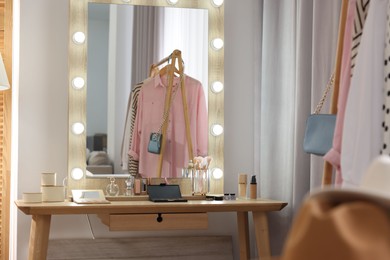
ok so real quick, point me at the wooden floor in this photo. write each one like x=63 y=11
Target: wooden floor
x=162 y=248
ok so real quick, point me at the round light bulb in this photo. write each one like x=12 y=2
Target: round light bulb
x=217 y=3
x=217 y=86
x=172 y=2
x=217 y=173
x=79 y=37
x=216 y=130
x=126 y=1
x=77 y=174
x=78 y=83
x=217 y=43
x=78 y=128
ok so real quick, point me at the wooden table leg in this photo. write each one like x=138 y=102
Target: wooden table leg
x=243 y=235
x=39 y=237
x=262 y=237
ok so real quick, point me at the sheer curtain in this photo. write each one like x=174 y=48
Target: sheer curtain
x=297 y=47
x=159 y=31
x=185 y=30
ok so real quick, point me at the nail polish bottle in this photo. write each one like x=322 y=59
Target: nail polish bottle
x=253 y=188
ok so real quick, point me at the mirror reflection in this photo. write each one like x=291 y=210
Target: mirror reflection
x=78 y=63
x=126 y=93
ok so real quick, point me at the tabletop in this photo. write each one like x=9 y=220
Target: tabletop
x=192 y=206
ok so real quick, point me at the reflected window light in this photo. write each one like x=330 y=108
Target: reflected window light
x=77 y=174
x=78 y=128
x=217 y=3
x=217 y=86
x=79 y=37
x=172 y=2
x=78 y=83
x=216 y=130
x=217 y=173
x=217 y=43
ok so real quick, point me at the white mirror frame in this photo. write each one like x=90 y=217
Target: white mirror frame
x=78 y=17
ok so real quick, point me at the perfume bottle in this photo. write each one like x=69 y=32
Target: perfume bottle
x=129 y=186
x=112 y=188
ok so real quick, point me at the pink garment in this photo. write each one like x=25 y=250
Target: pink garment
x=150 y=116
x=333 y=155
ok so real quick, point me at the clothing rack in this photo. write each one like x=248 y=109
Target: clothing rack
x=170 y=70
x=327 y=175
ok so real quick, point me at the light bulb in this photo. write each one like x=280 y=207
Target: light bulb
x=217 y=3
x=77 y=174
x=217 y=86
x=217 y=43
x=217 y=173
x=78 y=83
x=216 y=129
x=78 y=128
x=79 y=37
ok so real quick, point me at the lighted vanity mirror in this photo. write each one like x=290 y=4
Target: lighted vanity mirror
x=86 y=17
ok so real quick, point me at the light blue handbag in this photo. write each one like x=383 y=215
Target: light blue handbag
x=320 y=128
x=319 y=133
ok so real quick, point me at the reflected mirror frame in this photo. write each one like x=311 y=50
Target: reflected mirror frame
x=77 y=58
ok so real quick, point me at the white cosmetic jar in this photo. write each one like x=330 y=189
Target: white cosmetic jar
x=32 y=197
x=48 y=179
x=53 y=193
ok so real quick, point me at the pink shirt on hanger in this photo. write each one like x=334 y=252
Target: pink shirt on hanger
x=149 y=117
x=333 y=155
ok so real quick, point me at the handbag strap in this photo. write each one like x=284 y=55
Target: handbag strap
x=166 y=112
x=322 y=101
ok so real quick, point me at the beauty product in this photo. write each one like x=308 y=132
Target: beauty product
x=253 y=188
x=144 y=185
x=137 y=187
x=32 y=197
x=112 y=189
x=48 y=178
x=242 y=183
x=53 y=193
x=129 y=186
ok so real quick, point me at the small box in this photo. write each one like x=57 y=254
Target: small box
x=48 y=179
x=32 y=197
x=53 y=193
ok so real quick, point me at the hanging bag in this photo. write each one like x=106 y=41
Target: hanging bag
x=319 y=131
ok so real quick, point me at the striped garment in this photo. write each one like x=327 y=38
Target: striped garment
x=360 y=17
x=128 y=163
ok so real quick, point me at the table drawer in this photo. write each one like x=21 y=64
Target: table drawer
x=164 y=221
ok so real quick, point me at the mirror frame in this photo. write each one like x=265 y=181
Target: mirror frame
x=77 y=67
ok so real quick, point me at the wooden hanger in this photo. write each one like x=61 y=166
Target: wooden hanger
x=167 y=68
x=171 y=59
x=174 y=57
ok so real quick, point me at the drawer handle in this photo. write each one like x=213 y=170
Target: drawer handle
x=159 y=218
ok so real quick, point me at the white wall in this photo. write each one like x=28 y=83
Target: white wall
x=43 y=111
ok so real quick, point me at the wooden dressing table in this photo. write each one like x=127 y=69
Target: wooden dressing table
x=41 y=217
